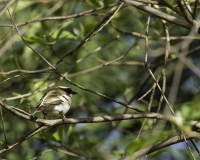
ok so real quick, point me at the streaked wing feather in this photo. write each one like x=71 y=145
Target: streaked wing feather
x=51 y=97
x=39 y=103
x=52 y=101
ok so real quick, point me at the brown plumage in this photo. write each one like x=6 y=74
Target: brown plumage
x=55 y=103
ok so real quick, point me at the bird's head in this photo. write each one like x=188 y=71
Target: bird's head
x=67 y=90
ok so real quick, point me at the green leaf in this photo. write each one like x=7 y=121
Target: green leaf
x=116 y=152
x=22 y=100
x=89 y=27
x=70 y=129
x=133 y=145
x=169 y=11
x=80 y=32
x=95 y=2
x=39 y=84
x=76 y=31
x=39 y=40
x=63 y=34
x=48 y=136
x=15 y=94
x=57 y=136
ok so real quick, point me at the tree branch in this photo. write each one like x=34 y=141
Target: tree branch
x=159 y=14
x=167 y=142
x=48 y=123
x=23 y=138
x=99 y=119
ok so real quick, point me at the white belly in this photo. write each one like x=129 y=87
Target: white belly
x=57 y=111
x=64 y=107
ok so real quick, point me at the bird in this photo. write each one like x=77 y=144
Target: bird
x=55 y=103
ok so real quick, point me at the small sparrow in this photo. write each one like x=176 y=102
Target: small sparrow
x=55 y=103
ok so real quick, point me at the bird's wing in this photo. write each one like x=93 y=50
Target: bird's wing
x=50 y=98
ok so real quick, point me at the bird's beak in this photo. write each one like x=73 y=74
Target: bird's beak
x=73 y=92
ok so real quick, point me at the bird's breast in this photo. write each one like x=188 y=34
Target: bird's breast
x=57 y=111
x=63 y=107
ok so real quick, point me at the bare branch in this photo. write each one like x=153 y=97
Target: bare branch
x=159 y=14
x=162 y=144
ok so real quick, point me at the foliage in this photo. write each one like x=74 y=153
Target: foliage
x=104 y=48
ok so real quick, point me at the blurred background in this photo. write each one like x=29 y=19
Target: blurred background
x=100 y=45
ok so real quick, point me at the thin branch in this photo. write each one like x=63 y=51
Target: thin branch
x=6 y=7
x=2 y=121
x=195 y=9
x=27 y=116
x=154 y=86
x=48 y=123
x=167 y=142
x=151 y=73
x=97 y=28
x=61 y=17
x=23 y=138
x=61 y=75
x=159 y=14
x=42 y=153
x=99 y=119
x=188 y=7
x=68 y=152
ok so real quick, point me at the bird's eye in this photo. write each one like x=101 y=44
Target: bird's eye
x=68 y=90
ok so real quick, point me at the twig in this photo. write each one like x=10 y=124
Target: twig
x=56 y=71
x=167 y=142
x=159 y=14
x=48 y=123
x=4 y=133
x=62 y=17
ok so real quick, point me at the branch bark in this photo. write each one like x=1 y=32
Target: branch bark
x=159 y=14
x=47 y=123
x=167 y=142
